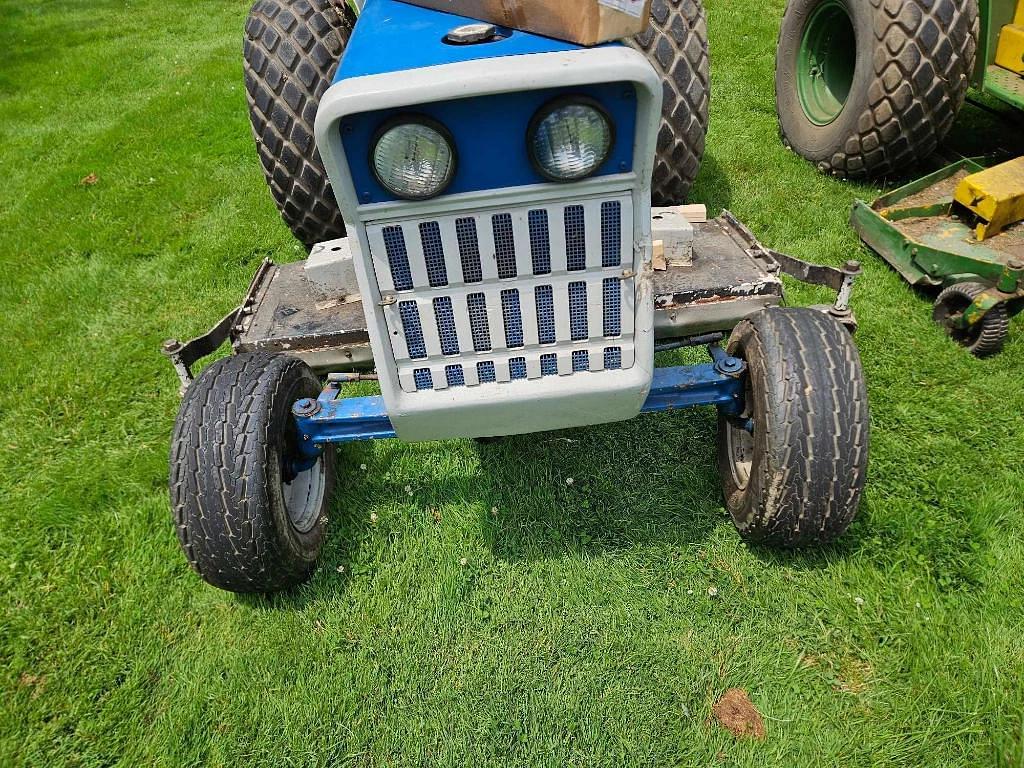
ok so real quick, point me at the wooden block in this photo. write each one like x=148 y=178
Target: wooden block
x=658 y=258
x=696 y=213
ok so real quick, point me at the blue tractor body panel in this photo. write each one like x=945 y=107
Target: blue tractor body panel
x=490 y=137
x=403 y=37
x=489 y=132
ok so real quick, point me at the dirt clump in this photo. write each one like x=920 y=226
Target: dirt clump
x=736 y=713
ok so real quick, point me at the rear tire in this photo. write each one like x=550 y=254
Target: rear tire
x=912 y=60
x=796 y=480
x=291 y=51
x=245 y=520
x=676 y=44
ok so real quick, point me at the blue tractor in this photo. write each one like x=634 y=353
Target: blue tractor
x=495 y=238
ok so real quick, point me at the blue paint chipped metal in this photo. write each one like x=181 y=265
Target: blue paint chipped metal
x=408 y=37
x=351 y=419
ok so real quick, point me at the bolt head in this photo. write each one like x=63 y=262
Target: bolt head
x=471 y=33
x=307 y=406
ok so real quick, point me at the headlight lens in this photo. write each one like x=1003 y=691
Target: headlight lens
x=570 y=139
x=414 y=158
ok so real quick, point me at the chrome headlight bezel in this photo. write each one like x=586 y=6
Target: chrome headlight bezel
x=399 y=121
x=546 y=111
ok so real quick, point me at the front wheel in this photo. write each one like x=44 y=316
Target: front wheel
x=246 y=520
x=794 y=465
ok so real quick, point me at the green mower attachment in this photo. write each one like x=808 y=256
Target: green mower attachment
x=931 y=239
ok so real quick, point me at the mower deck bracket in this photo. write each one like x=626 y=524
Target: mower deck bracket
x=183 y=355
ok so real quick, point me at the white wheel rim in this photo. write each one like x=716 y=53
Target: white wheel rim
x=741 y=455
x=304 y=497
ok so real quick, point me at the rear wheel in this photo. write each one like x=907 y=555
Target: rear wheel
x=793 y=465
x=676 y=44
x=985 y=337
x=246 y=519
x=291 y=51
x=868 y=87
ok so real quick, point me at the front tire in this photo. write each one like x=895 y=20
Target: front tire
x=869 y=87
x=796 y=479
x=246 y=521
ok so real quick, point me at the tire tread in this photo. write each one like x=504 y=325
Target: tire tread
x=219 y=475
x=676 y=44
x=291 y=51
x=816 y=426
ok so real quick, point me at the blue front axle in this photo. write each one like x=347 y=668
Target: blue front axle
x=335 y=419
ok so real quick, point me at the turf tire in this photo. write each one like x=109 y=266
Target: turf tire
x=232 y=443
x=676 y=44
x=291 y=51
x=914 y=60
x=983 y=339
x=808 y=453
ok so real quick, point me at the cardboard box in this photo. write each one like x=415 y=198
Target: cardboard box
x=586 y=22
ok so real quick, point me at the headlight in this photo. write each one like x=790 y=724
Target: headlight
x=570 y=138
x=413 y=157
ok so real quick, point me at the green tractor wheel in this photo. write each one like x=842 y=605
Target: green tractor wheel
x=867 y=87
x=985 y=337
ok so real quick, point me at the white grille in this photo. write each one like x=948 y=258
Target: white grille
x=484 y=298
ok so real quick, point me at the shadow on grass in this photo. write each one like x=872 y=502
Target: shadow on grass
x=651 y=481
x=600 y=489
x=712 y=186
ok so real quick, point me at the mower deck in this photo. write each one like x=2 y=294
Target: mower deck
x=728 y=277
x=917 y=229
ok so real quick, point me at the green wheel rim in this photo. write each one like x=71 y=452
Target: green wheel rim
x=826 y=62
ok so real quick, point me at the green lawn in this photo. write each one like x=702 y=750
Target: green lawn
x=573 y=626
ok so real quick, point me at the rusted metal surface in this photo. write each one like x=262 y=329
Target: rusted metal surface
x=730 y=277
x=183 y=355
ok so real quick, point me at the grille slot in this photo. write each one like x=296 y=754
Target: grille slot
x=549 y=364
x=513 y=318
x=433 y=254
x=580 y=361
x=469 y=250
x=578 y=310
x=423 y=379
x=504 y=245
x=413 y=330
x=517 y=367
x=457 y=323
x=478 y=322
x=612 y=303
x=445 y=317
x=544 y=297
x=540 y=242
x=455 y=375
x=485 y=372
x=611 y=234
x=398 y=258
x=575 y=238
x=612 y=358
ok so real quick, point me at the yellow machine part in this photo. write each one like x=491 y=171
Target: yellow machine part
x=995 y=196
x=1010 y=51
